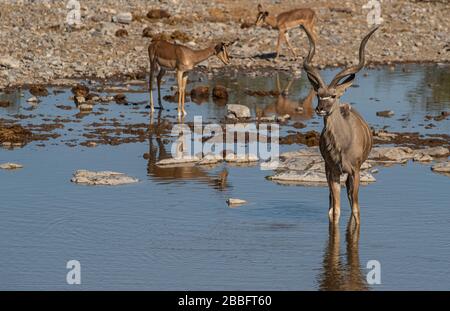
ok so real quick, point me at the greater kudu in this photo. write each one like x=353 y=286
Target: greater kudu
x=346 y=139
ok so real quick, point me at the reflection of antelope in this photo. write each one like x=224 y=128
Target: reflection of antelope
x=346 y=139
x=158 y=152
x=337 y=275
x=287 y=21
x=170 y=56
x=284 y=105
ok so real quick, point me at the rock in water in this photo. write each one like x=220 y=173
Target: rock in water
x=200 y=92
x=443 y=167
x=314 y=178
x=220 y=91
x=10 y=166
x=185 y=160
x=107 y=178
x=385 y=113
x=235 y=202
x=239 y=111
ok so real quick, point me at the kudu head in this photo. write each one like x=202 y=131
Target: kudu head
x=328 y=95
x=261 y=17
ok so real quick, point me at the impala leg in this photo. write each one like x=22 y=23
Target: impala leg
x=150 y=87
x=183 y=98
x=280 y=40
x=286 y=38
x=180 y=90
x=158 y=80
x=355 y=198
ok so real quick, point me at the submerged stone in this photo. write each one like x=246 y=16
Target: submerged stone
x=443 y=167
x=10 y=166
x=106 y=178
x=235 y=202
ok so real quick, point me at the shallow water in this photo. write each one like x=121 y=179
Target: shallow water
x=173 y=229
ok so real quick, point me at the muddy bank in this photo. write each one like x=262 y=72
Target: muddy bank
x=112 y=38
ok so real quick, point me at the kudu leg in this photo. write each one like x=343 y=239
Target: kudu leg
x=355 y=197
x=330 y=195
x=334 y=186
x=158 y=80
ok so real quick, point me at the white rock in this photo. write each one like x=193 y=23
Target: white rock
x=102 y=178
x=314 y=177
x=396 y=154
x=32 y=99
x=123 y=18
x=185 y=160
x=239 y=111
x=420 y=157
x=10 y=166
x=85 y=107
x=308 y=177
x=283 y=118
x=434 y=151
x=271 y=165
x=9 y=62
x=241 y=158
x=365 y=166
x=234 y=202
x=443 y=167
x=306 y=152
x=211 y=159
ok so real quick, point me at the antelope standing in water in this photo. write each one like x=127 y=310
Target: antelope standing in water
x=286 y=21
x=171 y=56
x=346 y=139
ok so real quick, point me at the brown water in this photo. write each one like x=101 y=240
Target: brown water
x=173 y=229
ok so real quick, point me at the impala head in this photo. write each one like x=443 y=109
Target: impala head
x=261 y=17
x=328 y=95
x=221 y=52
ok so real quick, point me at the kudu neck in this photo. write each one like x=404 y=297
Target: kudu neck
x=335 y=115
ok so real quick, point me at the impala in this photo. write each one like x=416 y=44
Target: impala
x=286 y=21
x=171 y=56
x=346 y=139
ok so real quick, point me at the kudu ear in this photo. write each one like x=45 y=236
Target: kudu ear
x=260 y=8
x=344 y=85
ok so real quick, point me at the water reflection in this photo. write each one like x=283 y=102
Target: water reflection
x=157 y=151
x=11 y=101
x=337 y=274
x=432 y=91
x=298 y=110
